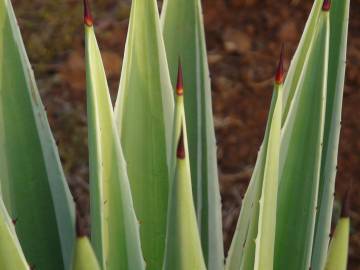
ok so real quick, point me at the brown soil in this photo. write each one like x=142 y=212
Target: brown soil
x=244 y=38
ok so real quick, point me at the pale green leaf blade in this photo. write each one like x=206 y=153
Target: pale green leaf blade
x=339 y=16
x=248 y=250
x=298 y=61
x=242 y=251
x=144 y=113
x=184 y=37
x=338 y=251
x=301 y=157
x=84 y=258
x=30 y=170
x=183 y=247
x=265 y=240
x=11 y=255
x=115 y=229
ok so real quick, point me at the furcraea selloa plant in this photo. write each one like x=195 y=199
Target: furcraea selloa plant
x=154 y=189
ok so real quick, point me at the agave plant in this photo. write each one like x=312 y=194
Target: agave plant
x=154 y=189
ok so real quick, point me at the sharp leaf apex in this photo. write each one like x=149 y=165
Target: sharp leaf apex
x=326 y=5
x=88 y=19
x=180 y=83
x=279 y=76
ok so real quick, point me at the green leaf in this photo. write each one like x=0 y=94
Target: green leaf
x=33 y=184
x=144 y=113
x=252 y=242
x=243 y=248
x=265 y=240
x=183 y=247
x=115 y=229
x=300 y=161
x=339 y=245
x=84 y=258
x=184 y=37
x=339 y=16
x=11 y=255
x=297 y=63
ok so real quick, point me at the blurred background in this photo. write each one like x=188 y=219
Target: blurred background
x=243 y=40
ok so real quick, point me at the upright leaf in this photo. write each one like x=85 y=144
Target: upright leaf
x=183 y=246
x=249 y=237
x=339 y=17
x=184 y=37
x=297 y=63
x=115 y=229
x=300 y=161
x=265 y=240
x=144 y=115
x=33 y=185
x=11 y=255
x=338 y=250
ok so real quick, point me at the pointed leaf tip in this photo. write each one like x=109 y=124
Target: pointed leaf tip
x=326 y=5
x=88 y=20
x=180 y=84
x=279 y=76
x=345 y=205
x=181 y=147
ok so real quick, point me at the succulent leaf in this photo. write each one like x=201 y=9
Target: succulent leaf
x=30 y=170
x=184 y=37
x=301 y=146
x=265 y=240
x=249 y=238
x=297 y=63
x=144 y=113
x=339 y=17
x=183 y=247
x=115 y=229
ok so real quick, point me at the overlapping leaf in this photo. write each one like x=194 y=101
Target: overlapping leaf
x=265 y=239
x=254 y=239
x=301 y=148
x=339 y=16
x=115 y=229
x=144 y=113
x=298 y=61
x=183 y=247
x=32 y=180
x=184 y=37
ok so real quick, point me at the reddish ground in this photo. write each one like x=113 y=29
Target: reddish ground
x=244 y=38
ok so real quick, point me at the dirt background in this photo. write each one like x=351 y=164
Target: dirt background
x=243 y=39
